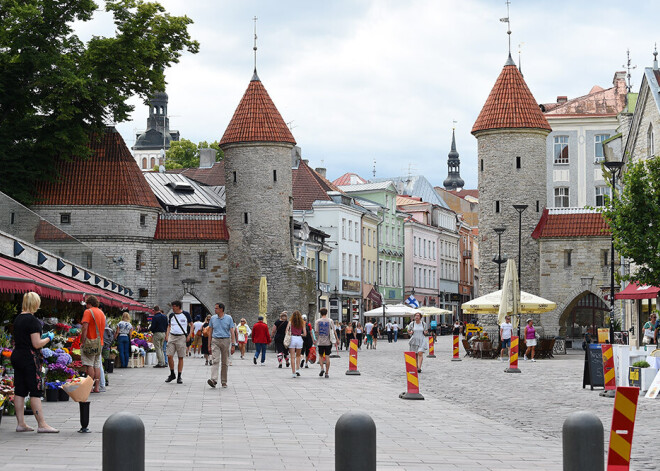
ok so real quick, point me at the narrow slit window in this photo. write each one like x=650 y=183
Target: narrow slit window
x=235 y=178
x=482 y=165
x=497 y=206
x=245 y=218
x=175 y=260
x=518 y=162
x=538 y=206
x=274 y=175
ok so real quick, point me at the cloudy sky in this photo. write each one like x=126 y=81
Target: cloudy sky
x=383 y=80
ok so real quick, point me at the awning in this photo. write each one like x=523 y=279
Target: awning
x=635 y=291
x=18 y=277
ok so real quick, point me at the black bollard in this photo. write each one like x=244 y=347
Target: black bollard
x=582 y=442
x=123 y=443
x=355 y=431
x=84 y=417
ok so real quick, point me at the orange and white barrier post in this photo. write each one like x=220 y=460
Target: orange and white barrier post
x=623 y=424
x=412 y=379
x=456 y=354
x=431 y=347
x=608 y=370
x=352 y=359
x=513 y=356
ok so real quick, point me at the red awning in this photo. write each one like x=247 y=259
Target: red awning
x=635 y=291
x=18 y=277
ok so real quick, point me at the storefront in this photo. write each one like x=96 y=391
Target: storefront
x=642 y=299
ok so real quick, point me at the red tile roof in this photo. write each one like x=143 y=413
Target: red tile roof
x=598 y=102
x=463 y=193
x=349 y=179
x=308 y=186
x=556 y=223
x=109 y=177
x=47 y=232
x=191 y=227
x=211 y=176
x=256 y=119
x=510 y=104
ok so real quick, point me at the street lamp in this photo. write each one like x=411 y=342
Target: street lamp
x=499 y=260
x=521 y=209
x=615 y=168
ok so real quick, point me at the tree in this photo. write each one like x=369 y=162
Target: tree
x=185 y=154
x=634 y=218
x=56 y=91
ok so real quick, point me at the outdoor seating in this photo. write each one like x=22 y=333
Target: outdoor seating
x=468 y=348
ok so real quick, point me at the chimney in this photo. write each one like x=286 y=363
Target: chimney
x=562 y=99
x=206 y=158
x=306 y=161
x=295 y=156
x=321 y=171
x=619 y=75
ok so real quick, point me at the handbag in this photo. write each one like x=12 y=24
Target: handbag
x=333 y=335
x=92 y=347
x=287 y=336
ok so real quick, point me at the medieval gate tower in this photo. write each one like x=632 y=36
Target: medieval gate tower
x=511 y=133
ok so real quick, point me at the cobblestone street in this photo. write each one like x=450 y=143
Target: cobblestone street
x=475 y=417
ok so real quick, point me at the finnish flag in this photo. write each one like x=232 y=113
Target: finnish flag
x=412 y=301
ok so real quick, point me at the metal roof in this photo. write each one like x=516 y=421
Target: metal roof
x=415 y=185
x=178 y=192
x=380 y=185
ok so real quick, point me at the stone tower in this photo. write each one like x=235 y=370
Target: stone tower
x=453 y=180
x=157 y=136
x=511 y=133
x=258 y=158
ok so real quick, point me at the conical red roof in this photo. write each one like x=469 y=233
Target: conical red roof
x=256 y=119
x=510 y=104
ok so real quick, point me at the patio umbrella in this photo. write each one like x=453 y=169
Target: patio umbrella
x=510 y=293
x=263 y=298
x=490 y=304
x=392 y=310
x=433 y=311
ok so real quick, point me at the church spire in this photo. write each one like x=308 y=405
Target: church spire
x=453 y=180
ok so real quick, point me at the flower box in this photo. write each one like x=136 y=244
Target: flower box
x=136 y=361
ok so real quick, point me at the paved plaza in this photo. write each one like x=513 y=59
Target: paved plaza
x=474 y=416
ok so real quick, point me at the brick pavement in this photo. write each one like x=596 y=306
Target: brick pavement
x=475 y=417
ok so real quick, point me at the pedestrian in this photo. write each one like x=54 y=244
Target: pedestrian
x=91 y=340
x=359 y=334
x=223 y=344
x=158 y=328
x=108 y=339
x=308 y=342
x=279 y=332
x=179 y=332
x=648 y=330
x=325 y=338
x=206 y=332
x=417 y=331
x=123 y=334
x=375 y=332
x=506 y=330
x=530 y=339
x=368 y=327
x=261 y=339
x=337 y=334
x=434 y=328
x=346 y=333
x=26 y=361
x=296 y=330
x=243 y=331
x=388 y=329
x=395 y=331
x=197 y=337
x=456 y=330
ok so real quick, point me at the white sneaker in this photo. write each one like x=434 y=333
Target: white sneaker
x=525 y=358
x=533 y=359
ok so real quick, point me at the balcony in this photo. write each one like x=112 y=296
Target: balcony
x=467 y=253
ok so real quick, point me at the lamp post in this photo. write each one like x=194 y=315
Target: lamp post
x=614 y=167
x=499 y=260
x=521 y=209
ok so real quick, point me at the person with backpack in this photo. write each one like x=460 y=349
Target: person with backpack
x=179 y=331
x=325 y=338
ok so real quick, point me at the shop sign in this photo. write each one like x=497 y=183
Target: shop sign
x=350 y=285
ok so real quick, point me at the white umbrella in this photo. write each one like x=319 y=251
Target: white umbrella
x=433 y=311
x=510 y=301
x=490 y=304
x=393 y=310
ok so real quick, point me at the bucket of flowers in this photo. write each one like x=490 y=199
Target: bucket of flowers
x=7 y=396
x=57 y=371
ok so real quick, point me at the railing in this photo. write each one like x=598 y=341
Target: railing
x=467 y=253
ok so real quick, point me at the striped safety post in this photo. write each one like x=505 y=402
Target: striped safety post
x=513 y=356
x=623 y=424
x=456 y=354
x=431 y=347
x=352 y=359
x=608 y=371
x=412 y=378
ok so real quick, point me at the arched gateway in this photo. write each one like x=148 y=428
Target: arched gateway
x=582 y=312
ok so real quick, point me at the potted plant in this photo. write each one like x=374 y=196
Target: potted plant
x=52 y=393
x=641 y=374
x=28 y=407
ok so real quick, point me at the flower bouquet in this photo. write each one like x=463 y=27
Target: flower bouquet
x=62 y=328
x=79 y=389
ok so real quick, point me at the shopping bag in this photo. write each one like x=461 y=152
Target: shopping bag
x=311 y=355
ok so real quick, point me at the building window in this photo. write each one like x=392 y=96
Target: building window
x=650 y=145
x=350 y=265
x=497 y=206
x=87 y=259
x=387 y=273
x=357 y=267
x=518 y=162
x=274 y=175
x=482 y=164
x=153 y=162
x=65 y=218
x=561 y=197
x=561 y=149
x=138 y=260
x=567 y=257
x=343 y=228
x=601 y=192
x=144 y=162
x=350 y=230
x=538 y=206
x=12 y=218
x=364 y=236
x=343 y=264
x=598 y=142
x=175 y=260
x=398 y=274
x=604 y=254
x=246 y=218
x=143 y=219
x=202 y=260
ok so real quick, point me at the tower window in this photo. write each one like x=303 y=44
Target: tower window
x=138 y=260
x=538 y=206
x=202 y=260
x=245 y=218
x=175 y=260
x=235 y=178
x=12 y=218
x=497 y=206
x=482 y=165
x=274 y=175
x=518 y=162
x=567 y=258
x=143 y=219
x=65 y=218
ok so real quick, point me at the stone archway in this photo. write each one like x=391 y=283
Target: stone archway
x=566 y=309
x=207 y=303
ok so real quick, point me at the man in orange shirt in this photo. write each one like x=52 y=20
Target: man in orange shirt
x=93 y=325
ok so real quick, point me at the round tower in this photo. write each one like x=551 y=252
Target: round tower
x=257 y=146
x=511 y=133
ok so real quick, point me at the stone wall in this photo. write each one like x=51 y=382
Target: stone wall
x=259 y=217
x=500 y=180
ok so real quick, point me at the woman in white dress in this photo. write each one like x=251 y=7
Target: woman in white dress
x=418 y=343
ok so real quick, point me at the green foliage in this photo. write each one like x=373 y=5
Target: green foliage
x=55 y=91
x=634 y=217
x=641 y=364
x=185 y=154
